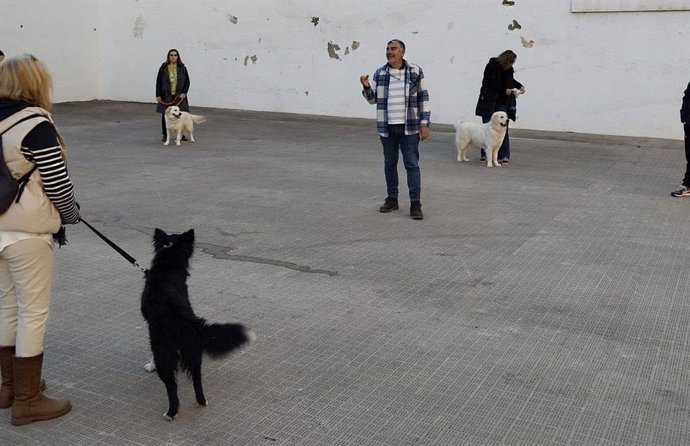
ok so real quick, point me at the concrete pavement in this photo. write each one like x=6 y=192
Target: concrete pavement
x=541 y=303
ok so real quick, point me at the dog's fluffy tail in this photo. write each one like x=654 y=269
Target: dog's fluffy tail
x=221 y=339
x=198 y=119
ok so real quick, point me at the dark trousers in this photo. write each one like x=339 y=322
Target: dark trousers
x=165 y=130
x=686 y=180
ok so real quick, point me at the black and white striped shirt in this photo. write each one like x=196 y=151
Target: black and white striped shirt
x=41 y=146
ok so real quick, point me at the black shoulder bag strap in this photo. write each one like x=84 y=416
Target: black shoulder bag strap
x=24 y=178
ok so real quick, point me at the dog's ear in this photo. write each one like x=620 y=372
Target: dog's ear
x=158 y=235
x=189 y=236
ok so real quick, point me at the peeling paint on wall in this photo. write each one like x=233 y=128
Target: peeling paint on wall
x=253 y=59
x=347 y=50
x=232 y=19
x=355 y=45
x=527 y=43
x=139 y=26
x=315 y=20
x=332 y=48
x=515 y=25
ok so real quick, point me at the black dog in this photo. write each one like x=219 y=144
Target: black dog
x=178 y=337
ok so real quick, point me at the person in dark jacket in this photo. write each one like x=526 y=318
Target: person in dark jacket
x=172 y=85
x=498 y=92
x=684 y=189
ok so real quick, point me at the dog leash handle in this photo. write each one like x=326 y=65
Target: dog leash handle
x=119 y=250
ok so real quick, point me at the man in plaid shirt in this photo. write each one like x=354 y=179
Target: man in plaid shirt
x=403 y=117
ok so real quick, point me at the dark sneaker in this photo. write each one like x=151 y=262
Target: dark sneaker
x=391 y=204
x=184 y=138
x=504 y=161
x=682 y=191
x=416 y=210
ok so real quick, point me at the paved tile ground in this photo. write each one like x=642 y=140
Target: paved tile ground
x=540 y=303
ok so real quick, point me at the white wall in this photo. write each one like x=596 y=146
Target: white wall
x=65 y=35
x=612 y=73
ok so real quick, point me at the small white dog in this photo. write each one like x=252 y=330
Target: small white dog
x=489 y=136
x=180 y=121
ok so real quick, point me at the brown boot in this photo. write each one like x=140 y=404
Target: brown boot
x=29 y=402
x=7 y=390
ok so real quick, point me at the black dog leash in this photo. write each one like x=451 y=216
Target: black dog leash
x=121 y=251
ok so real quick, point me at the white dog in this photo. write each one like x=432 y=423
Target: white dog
x=489 y=136
x=178 y=121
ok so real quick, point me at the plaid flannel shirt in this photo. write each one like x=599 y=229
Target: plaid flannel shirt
x=418 y=110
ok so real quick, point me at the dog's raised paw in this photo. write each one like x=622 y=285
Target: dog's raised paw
x=150 y=367
x=251 y=335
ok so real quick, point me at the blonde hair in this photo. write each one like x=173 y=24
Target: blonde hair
x=25 y=78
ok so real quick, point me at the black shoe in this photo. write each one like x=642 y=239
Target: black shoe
x=416 y=210
x=184 y=138
x=391 y=204
x=164 y=138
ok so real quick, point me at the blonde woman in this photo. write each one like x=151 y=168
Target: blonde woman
x=29 y=141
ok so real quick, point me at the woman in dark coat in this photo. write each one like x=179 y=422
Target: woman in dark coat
x=497 y=94
x=172 y=85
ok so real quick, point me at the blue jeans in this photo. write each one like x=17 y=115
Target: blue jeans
x=409 y=147
x=504 y=150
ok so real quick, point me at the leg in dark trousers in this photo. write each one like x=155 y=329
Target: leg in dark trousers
x=684 y=189
x=165 y=133
x=482 y=155
x=504 y=150
x=686 y=179
x=391 y=147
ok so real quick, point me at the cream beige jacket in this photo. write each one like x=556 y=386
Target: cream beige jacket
x=34 y=213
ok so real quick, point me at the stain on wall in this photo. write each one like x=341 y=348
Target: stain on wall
x=508 y=3
x=232 y=19
x=247 y=59
x=139 y=26
x=315 y=20
x=354 y=45
x=515 y=25
x=527 y=43
x=332 y=48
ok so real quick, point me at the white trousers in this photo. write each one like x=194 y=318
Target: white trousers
x=26 y=276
